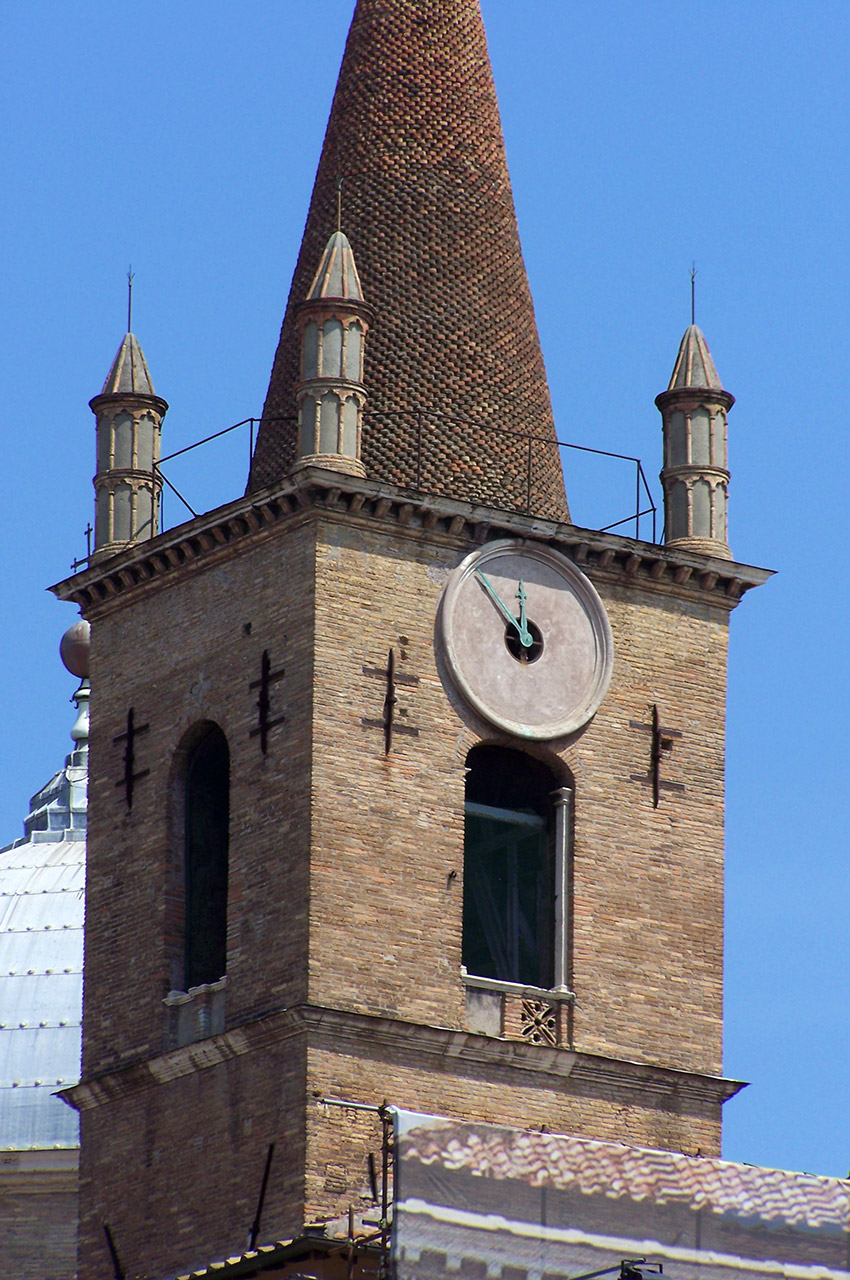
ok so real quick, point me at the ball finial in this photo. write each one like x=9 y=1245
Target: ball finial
x=74 y=649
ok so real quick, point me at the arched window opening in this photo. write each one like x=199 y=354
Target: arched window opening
x=206 y=825
x=514 y=869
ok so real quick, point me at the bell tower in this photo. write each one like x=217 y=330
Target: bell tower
x=422 y=799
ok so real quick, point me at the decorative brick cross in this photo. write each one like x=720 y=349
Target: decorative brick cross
x=267 y=678
x=388 y=721
x=131 y=775
x=662 y=741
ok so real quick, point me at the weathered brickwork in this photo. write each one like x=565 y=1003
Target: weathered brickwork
x=346 y=884
x=175 y=1169
x=180 y=657
x=388 y=830
x=38 y=1219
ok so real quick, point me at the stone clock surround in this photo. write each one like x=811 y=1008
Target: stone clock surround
x=560 y=690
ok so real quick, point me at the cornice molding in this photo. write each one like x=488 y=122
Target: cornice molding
x=316 y=491
x=447 y=1050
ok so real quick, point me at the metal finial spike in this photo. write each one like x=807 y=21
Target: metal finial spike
x=130 y=278
x=693 y=292
x=339 y=181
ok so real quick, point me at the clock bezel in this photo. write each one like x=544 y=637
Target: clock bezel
x=583 y=591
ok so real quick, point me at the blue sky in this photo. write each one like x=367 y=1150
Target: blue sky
x=183 y=139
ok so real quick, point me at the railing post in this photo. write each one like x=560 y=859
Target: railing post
x=637 y=501
x=528 y=480
x=159 y=497
x=419 y=450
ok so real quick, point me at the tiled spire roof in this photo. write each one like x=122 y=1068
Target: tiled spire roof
x=694 y=366
x=337 y=274
x=129 y=373
x=416 y=137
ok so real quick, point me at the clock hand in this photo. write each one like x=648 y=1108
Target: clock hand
x=497 y=599
x=524 y=633
x=525 y=638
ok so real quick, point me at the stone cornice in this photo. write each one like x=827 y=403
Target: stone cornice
x=50 y=1171
x=675 y=397
x=446 y=1050
x=313 y=491
x=137 y=402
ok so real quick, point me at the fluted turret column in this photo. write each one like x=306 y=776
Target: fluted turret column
x=695 y=477
x=129 y=423
x=333 y=323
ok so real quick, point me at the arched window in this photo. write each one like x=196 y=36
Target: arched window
x=205 y=844
x=515 y=869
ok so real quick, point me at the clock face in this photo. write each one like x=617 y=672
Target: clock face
x=526 y=639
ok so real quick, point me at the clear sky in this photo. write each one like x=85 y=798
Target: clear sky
x=183 y=138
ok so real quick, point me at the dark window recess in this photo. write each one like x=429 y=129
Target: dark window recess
x=509 y=868
x=207 y=801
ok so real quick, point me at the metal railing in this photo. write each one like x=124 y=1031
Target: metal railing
x=440 y=473
x=445 y=476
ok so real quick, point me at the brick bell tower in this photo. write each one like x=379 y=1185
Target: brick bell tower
x=401 y=786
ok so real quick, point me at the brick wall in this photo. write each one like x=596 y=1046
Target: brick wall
x=341 y=888
x=178 y=657
x=385 y=912
x=38 y=1216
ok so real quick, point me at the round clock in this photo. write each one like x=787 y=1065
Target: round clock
x=526 y=639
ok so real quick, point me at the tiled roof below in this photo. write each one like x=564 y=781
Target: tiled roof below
x=614 y=1171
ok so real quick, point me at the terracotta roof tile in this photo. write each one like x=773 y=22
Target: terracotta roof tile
x=614 y=1170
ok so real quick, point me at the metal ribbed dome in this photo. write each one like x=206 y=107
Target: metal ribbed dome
x=42 y=886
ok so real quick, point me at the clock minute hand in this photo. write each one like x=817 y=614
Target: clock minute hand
x=524 y=634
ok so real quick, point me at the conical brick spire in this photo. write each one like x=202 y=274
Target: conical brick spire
x=415 y=136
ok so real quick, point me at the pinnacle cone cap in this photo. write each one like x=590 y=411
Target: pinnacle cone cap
x=337 y=274
x=416 y=137
x=129 y=374
x=694 y=366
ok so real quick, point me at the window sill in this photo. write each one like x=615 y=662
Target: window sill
x=194 y=1014
x=516 y=988
x=512 y=1011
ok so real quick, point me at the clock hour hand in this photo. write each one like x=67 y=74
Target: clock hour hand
x=524 y=633
x=525 y=637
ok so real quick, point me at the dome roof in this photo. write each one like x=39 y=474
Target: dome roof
x=42 y=886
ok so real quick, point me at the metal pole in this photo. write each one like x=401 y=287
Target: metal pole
x=528 y=481
x=386 y=1120
x=255 y=1228
x=419 y=450
x=117 y=1269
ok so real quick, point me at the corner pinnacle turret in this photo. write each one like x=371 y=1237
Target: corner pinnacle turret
x=454 y=368
x=695 y=475
x=129 y=424
x=333 y=322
